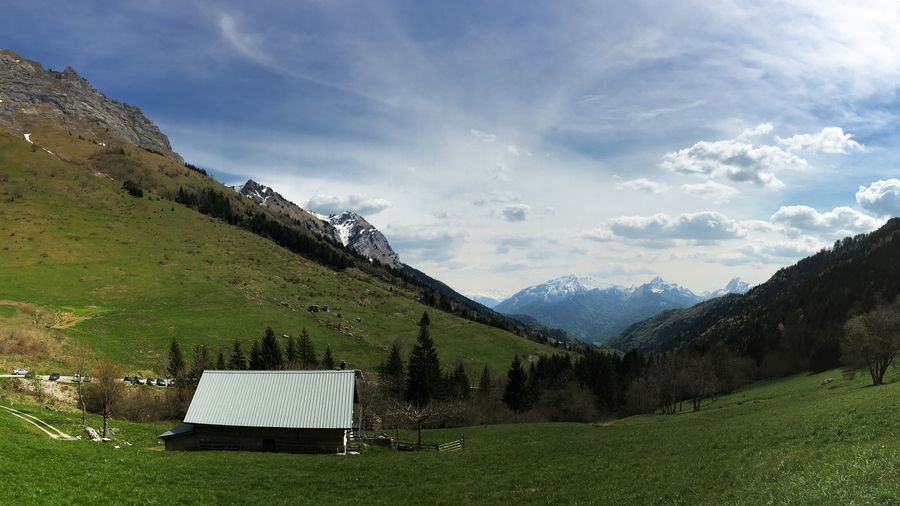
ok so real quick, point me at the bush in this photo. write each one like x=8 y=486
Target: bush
x=132 y=188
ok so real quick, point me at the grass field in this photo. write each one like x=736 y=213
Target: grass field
x=123 y=276
x=792 y=441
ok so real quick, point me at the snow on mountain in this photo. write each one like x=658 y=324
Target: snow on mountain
x=348 y=228
x=594 y=311
x=736 y=285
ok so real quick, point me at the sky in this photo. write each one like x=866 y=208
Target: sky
x=498 y=144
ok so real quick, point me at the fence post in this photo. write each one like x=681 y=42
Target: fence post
x=462 y=441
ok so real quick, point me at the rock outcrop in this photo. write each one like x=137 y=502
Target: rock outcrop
x=29 y=92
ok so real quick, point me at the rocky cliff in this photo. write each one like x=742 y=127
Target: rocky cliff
x=28 y=93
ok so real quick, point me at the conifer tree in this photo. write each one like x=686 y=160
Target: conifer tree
x=199 y=364
x=237 y=361
x=291 y=356
x=423 y=376
x=255 y=358
x=392 y=371
x=270 y=353
x=485 y=383
x=517 y=396
x=220 y=361
x=306 y=352
x=328 y=358
x=459 y=382
x=176 y=361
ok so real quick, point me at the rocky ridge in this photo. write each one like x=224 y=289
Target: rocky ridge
x=29 y=93
x=347 y=229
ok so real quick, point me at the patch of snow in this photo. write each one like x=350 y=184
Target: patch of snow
x=656 y=289
x=345 y=230
x=28 y=138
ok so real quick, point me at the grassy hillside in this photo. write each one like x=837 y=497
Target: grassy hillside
x=793 y=441
x=124 y=276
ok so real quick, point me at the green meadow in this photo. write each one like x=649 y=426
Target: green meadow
x=791 y=441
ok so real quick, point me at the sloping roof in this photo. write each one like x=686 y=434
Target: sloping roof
x=283 y=399
x=181 y=429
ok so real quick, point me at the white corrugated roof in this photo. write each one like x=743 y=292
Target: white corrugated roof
x=284 y=399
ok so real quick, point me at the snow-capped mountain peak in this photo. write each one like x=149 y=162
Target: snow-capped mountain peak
x=736 y=285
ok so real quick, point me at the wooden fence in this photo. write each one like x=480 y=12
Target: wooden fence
x=412 y=446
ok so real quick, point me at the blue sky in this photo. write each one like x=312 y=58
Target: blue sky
x=498 y=144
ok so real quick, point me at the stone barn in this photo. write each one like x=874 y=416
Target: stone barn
x=269 y=411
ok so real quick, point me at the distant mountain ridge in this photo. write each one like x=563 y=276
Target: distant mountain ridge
x=594 y=313
x=348 y=229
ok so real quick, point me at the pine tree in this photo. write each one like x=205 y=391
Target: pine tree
x=423 y=375
x=517 y=396
x=270 y=353
x=459 y=382
x=485 y=383
x=237 y=362
x=392 y=371
x=199 y=364
x=328 y=358
x=176 y=361
x=291 y=357
x=255 y=357
x=306 y=353
x=220 y=362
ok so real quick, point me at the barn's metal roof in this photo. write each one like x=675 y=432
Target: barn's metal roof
x=283 y=399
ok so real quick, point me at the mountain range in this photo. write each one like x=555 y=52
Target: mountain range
x=595 y=313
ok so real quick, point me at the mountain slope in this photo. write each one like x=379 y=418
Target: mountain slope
x=594 y=314
x=125 y=275
x=794 y=319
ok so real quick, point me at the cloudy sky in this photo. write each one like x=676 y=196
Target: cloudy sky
x=502 y=143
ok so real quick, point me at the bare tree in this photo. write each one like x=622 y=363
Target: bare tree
x=420 y=415
x=871 y=341
x=81 y=359
x=107 y=378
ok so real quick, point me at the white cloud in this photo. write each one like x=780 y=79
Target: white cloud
x=711 y=190
x=483 y=136
x=702 y=226
x=515 y=212
x=839 y=222
x=333 y=204
x=599 y=234
x=783 y=251
x=738 y=161
x=247 y=44
x=514 y=150
x=758 y=130
x=831 y=140
x=643 y=184
x=881 y=197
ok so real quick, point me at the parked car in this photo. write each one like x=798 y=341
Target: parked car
x=19 y=371
x=54 y=376
x=76 y=378
x=160 y=382
x=138 y=380
x=151 y=381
